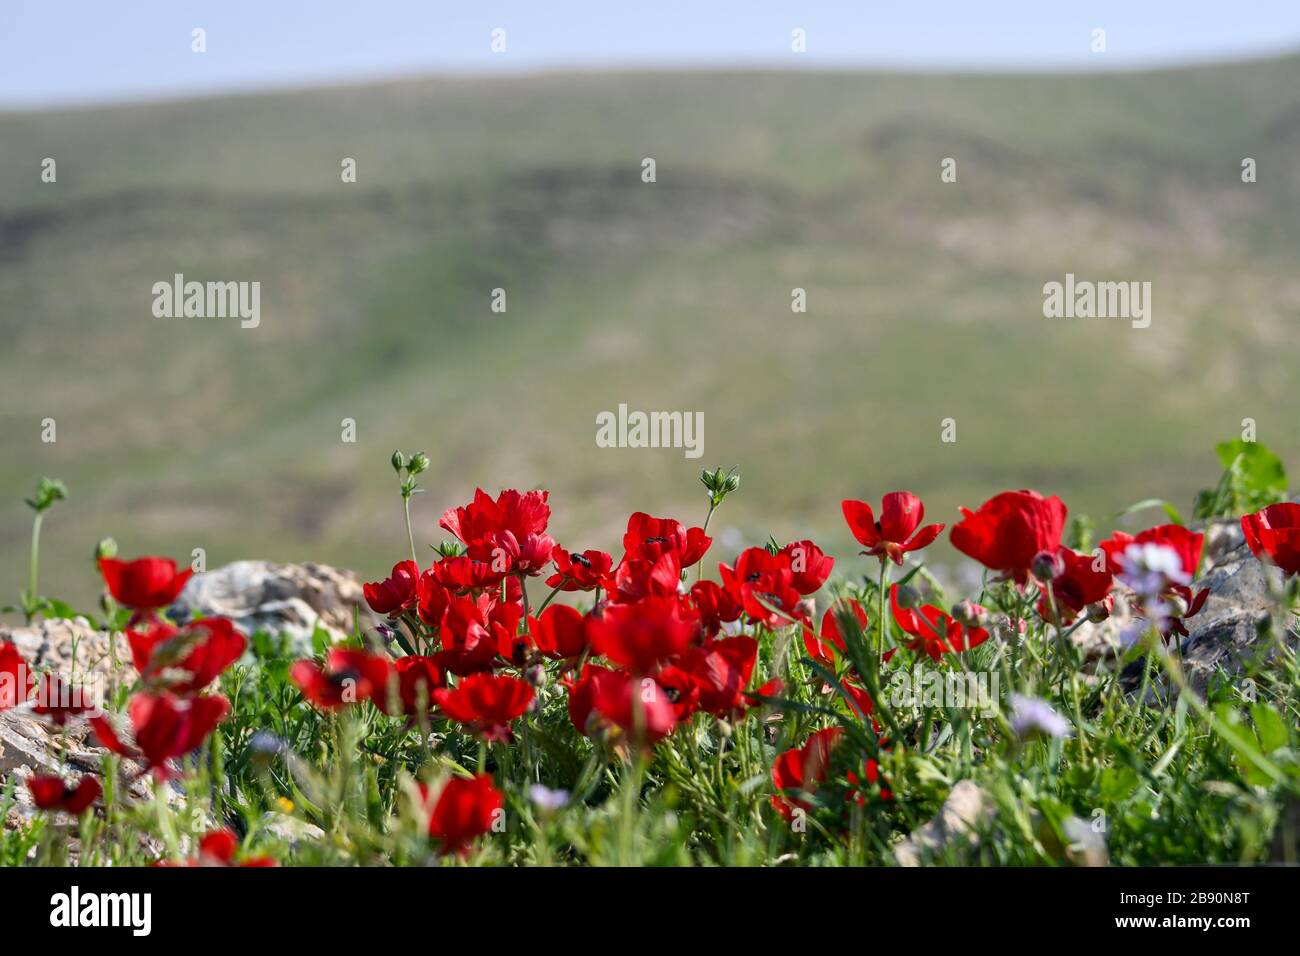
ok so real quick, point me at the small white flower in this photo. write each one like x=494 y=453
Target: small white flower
x=1033 y=716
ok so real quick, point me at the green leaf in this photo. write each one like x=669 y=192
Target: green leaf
x=1269 y=727
x=1146 y=503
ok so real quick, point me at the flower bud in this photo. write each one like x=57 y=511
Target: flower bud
x=969 y=614
x=107 y=548
x=418 y=463
x=1047 y=566
x=535 y=675
x=908 y=597
x=398 y=461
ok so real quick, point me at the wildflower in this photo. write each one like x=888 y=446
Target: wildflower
x=144 y=584
x=475 y=631
x=1273 y=535
x=1033 y=716
x=546 y=799
x=722 y=672
x=639 y=708
x=486 y=703
x=650 y=538
x=763 y=584
x=51 y=792
x=715 y=605
x=508 y=533
x=803 y=769
x=636 y=578
x=1159 y=564
x=348 y=677
x=395 y=594
x=418 y=676
x=217 y=848
x=165 y=726
x=431 y=598
x=809 y=566
x=462 y=573
x=1009 y=529
x=16 y=680
x=59 y=700
x=578 y=571
x=643 y=636
x=466 y=808
x=896 y=533
x=559 y=632
x=1078 y=585
x=933 y=632
x=185 y=660
x=822 y=647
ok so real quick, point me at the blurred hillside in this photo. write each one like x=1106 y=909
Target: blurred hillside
x=924 y=301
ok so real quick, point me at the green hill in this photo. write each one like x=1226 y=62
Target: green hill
x=924 y=300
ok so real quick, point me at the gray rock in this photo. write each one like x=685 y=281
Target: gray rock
x=285 y=600
x=966 y=807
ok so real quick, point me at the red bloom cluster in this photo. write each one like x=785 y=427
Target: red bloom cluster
x=466 y=808
x=934 y=632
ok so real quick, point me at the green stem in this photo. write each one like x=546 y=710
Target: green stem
x=410 y=535
x=33 y=570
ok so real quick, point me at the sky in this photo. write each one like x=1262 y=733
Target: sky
x=87 y=51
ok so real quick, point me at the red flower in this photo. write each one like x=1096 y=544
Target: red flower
x=722 y=672
x=466 y=809
x=763 y=583
x=578 y=571
x=682 y=689
x=145 y=583
x=463 y=573
x=395 y=594
x=715 y=605
x=487 y=703
x=16 y=679
x=1009 y=529
x=475 y=631
x=1273 y=535
x=809 y=565
x=636 y=578
x=430 y=599
x=1078 y=585
x=933 y=632
x=348 y=677
x=59 y=701
x=508 y=533
x=637 y=706
x=559 y=632
x=642 y=636
x=1186 y=544
x=802 y=769
x=217 y=848
x=830 y=637
x=901 y=513
x=418 y=677
x=50 y=792
x=650 y=538
x=165 y=727
x=185 y=660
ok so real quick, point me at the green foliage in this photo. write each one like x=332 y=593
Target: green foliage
x=1253 y=477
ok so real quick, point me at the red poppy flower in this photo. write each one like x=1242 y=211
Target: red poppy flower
x=636 y=578
x=1078 y=585
x=715 y=605
x=802 y=769
x=58 y=700
x=933 y=632
x=578 y=571
x=475 y=631
x=809 y=565
x=638 y=706
x=16 y=680
x=50 y=792
x=463 y=573
x=217 y=848
x=348 y=677
x=682 y=689
x=1009 y=529
x=487 y=703
x=820 y=646
x=895 y=534
x=165 y=726
x=430 y=599
x=418 y=676
x=642 y=636
x=1183 y=542
x=650 y=538
x=145 y=583
x=185 y=660
x=581 y=692
x=722 y=671
x=466 y=809
x=763 y=583
x=508 y=533
x=395 y=594
x=1273 y=535
x=559 y=632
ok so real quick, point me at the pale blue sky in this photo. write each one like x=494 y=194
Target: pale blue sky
x=91 y=50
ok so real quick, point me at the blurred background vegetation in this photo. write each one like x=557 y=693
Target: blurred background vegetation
x=924 y=301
